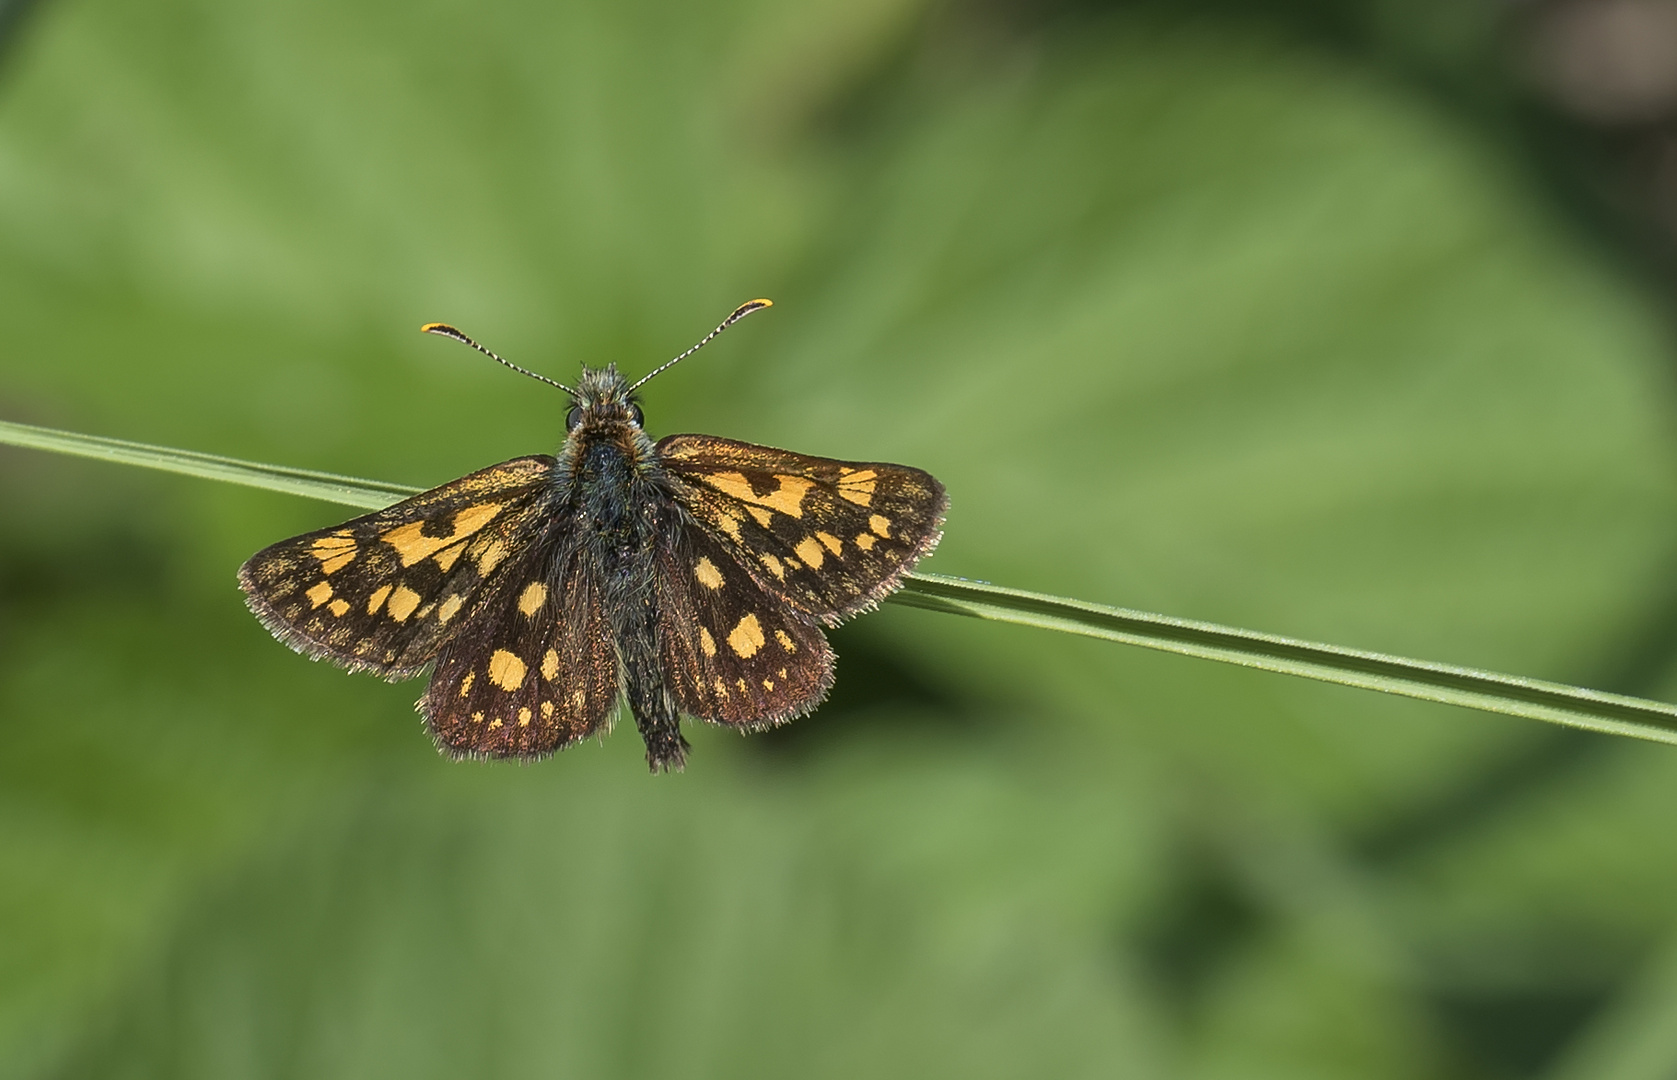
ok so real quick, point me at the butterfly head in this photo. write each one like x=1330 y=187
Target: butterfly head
x=604 y=402
x=603 y=399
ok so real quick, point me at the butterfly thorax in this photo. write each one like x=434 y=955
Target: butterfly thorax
x=607 y=461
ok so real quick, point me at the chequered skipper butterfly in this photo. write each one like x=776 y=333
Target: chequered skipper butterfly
x=691 y=575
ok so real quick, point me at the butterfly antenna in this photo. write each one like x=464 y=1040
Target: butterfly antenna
x=445 y=330
x=739 y=313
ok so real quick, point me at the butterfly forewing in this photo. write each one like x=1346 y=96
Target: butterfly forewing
x=381 y=593
x=533 y=671
x=732 y=653
x=831 y=537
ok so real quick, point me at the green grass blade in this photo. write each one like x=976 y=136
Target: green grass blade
x=1487 y=690
x=1476 y=689
x=348 y=490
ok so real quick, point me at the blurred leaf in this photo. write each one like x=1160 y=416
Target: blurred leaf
x=1634 y=1038
x=515 y=922
x=1185 y=315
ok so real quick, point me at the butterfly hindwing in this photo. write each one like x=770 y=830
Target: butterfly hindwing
x=833 y=537
x=382 y=592
x=733 y=653
x=534 y=670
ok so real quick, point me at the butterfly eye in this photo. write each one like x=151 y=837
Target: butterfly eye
x=636 y=417
x=573 y=418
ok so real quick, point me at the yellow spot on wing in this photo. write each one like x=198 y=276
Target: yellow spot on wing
x=774 y=567
x=881 y=525
x=706 y=642
x=857 y=487
x=721 y=688
x=377 y=598
x=729 y=524
x=787 y=497
x=447 y=557
x=768 y=684
x=334 y=552
x=506 y=670
x=809 y=550
x=746 y=638
x=402 y=603
x=532 y=598
x=866 y=541
x=764 y=517
x=550 y=665
x=490 y=556
x=450 y=608
x=524 y=717
x=466 y=683
x=785 y=640
x=319 y=594
x=412 y=544
x=477 y=718
x=707 y=573
x=473 y=518
x=731 y=483
x=830 y=542
x=340 y=608
x=547 y=710
x=495 y=723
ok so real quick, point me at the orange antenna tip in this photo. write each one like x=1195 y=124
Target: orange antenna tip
x=739 y=313
x=448 y=331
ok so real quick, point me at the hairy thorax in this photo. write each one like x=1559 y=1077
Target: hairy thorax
x=616 y=503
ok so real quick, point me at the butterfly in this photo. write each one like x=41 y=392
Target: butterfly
x=690 y=576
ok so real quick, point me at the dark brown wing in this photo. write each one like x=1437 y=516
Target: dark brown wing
x=382 y=593
x=832 y=537
x=533 y=671
x=732 y=653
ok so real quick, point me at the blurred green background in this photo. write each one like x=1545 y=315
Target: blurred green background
x=1345 y=320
